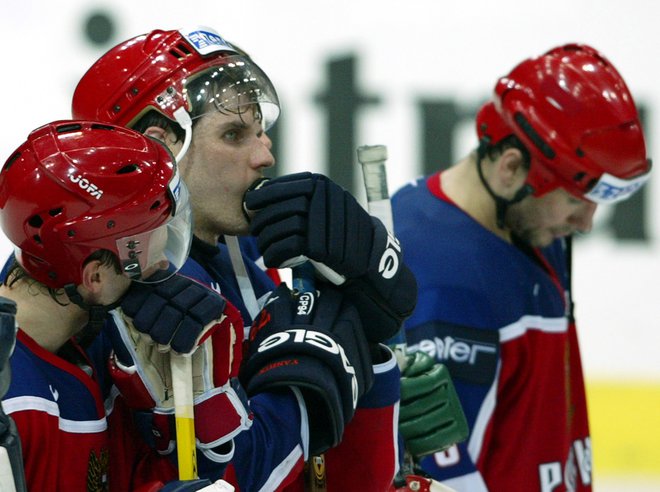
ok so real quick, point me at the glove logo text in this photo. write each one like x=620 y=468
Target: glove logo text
x=305 y=304
x=317 y=339
x=389 y=262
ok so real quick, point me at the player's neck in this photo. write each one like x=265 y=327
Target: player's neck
x=44 y=320
x=461 y=183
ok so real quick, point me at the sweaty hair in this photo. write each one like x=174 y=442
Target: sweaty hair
x=154 y=118
x=200 y=105
x=16 y=272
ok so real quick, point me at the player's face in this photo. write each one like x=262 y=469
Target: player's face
x=228 y=152
x=539 y=221
x=115 y=286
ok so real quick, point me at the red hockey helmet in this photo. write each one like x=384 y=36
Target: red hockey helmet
x=76 y=187
x=575 y=115
x=156 y=71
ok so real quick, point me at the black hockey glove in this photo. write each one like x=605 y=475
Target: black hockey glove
x=172 y=313
x=310 y=215
x=325 y=357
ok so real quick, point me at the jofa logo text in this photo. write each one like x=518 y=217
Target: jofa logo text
x=87 y=185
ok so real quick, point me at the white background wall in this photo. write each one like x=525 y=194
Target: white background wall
x=406 y=50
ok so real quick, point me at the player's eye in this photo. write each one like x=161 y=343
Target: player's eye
x=233 y=135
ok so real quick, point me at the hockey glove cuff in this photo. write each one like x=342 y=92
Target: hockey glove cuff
x=326 y=358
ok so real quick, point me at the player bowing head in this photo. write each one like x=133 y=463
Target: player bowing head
x=568 y=117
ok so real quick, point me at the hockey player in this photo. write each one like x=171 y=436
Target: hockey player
x=70 y=197
x=101 y=223
x=489 y=240
x=211 y=105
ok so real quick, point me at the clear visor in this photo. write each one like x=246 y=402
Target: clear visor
x=158 y=254
x=235 y=87
x=610 y=189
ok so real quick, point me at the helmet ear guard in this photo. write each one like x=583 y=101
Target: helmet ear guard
x=573 y=112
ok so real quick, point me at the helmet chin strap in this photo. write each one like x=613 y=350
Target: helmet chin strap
x=501 y=203
x=183 y=119
x=97 y=315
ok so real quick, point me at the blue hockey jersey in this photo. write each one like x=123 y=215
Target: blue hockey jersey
x=499 y=317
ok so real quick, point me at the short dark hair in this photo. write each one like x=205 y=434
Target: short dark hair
x=16 y=272
x=510 y=142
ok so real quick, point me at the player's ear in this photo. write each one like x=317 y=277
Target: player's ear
x=165 y=136
x=156 y=132
x=92 y=276
x=511 y=170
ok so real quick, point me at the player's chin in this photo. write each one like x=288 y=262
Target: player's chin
x=541 y=239
x=238 y=227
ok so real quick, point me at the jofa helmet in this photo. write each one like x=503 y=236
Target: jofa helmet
x=76 y=187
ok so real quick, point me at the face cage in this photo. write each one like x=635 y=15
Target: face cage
x=156 y=255
x=235 y=87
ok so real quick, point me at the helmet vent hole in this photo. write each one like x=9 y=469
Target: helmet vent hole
x=155 y=205
x=37 y=238
x=183 y=48
x=181 y=51
x=579 y=152
x=534 y=136
x=98 y=126
x=36 y=221
x=579 y=176
x=69 y=128
x=10 y=161
x=131 y=168
x=54 y=212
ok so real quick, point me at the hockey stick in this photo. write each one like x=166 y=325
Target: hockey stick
x=303 y=282
x=182 y=384
x=372 y=160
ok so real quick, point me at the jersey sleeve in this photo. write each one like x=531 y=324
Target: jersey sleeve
x=277 y=437
x=368 y=453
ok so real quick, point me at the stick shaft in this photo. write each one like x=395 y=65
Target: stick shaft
x=182 y=384
x=372 y=160
x=304 y=283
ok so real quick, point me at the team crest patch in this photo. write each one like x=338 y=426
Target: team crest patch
x=206 y=40
x=97 y=472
